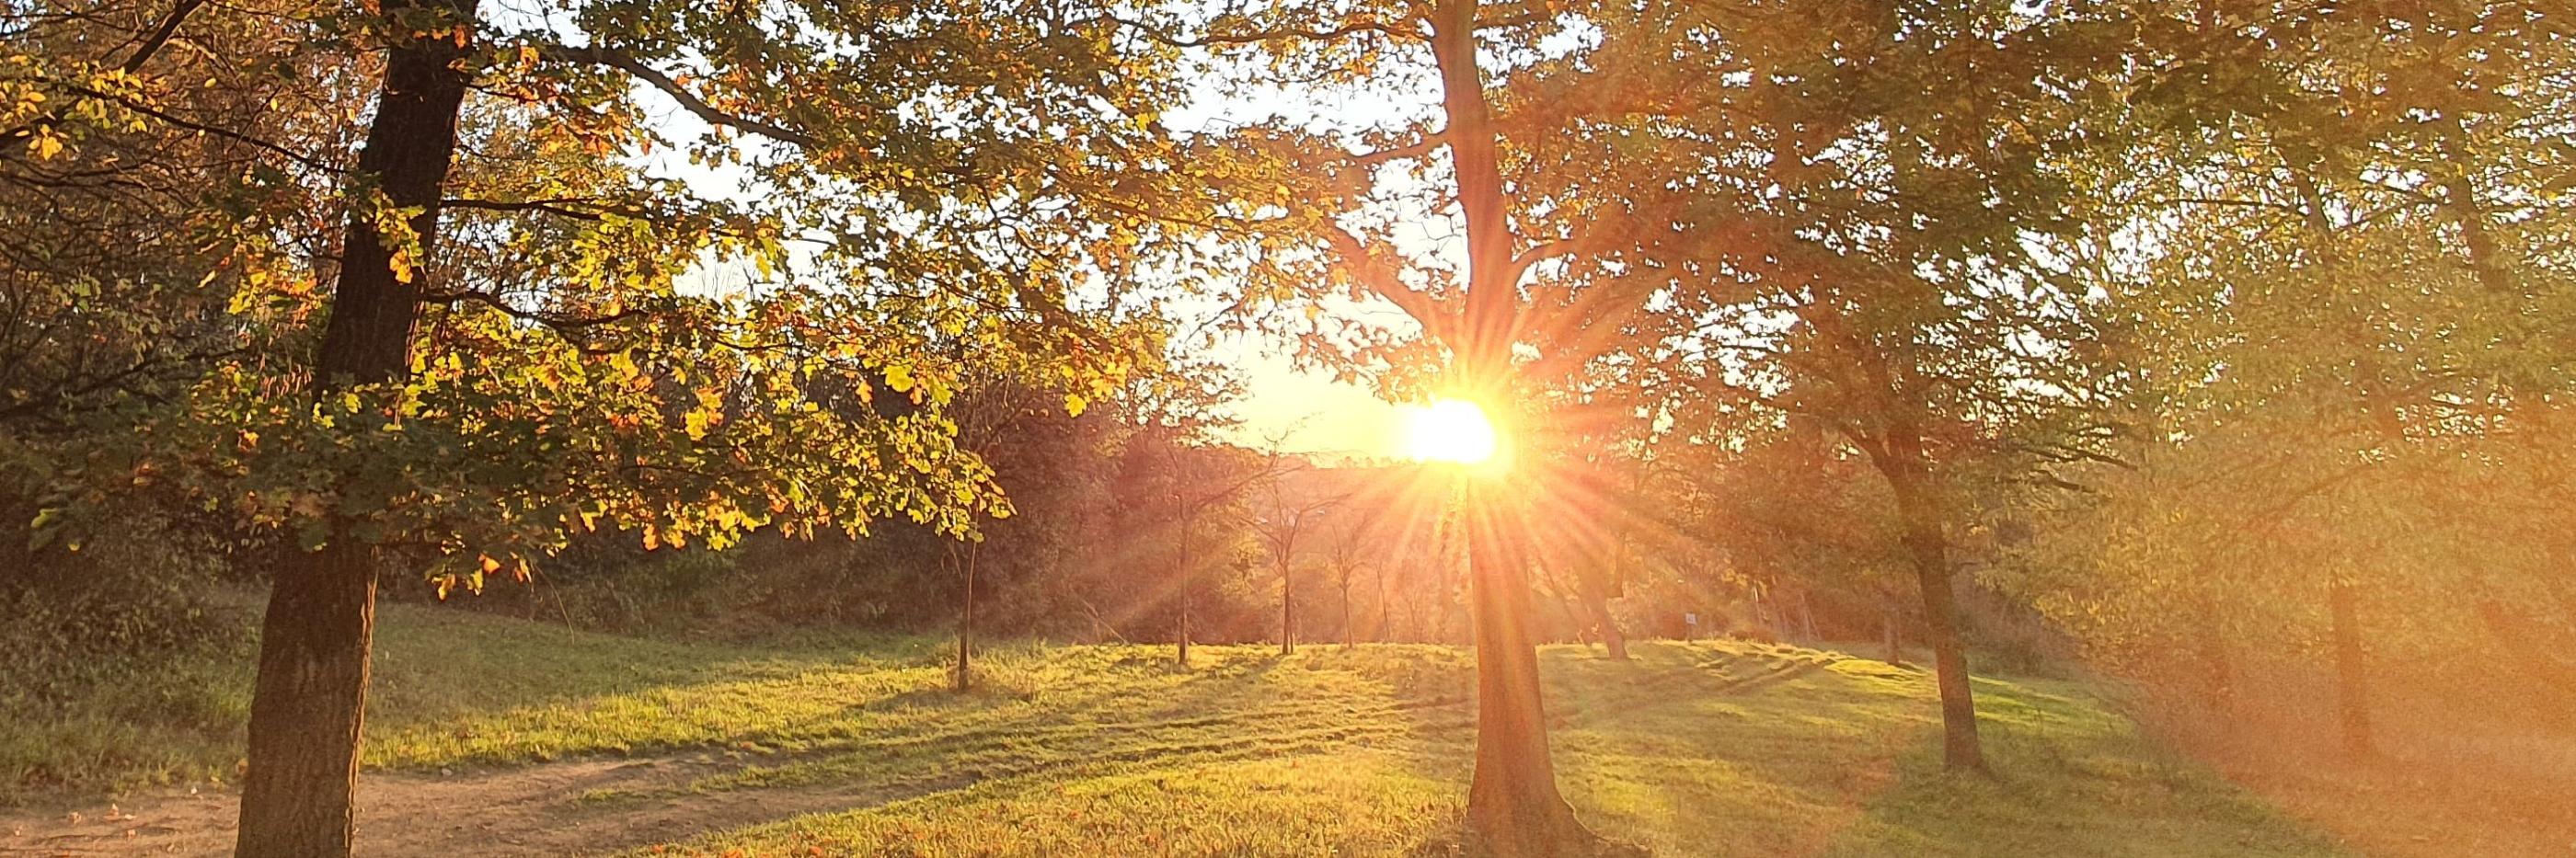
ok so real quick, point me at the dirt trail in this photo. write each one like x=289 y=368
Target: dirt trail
x=535 y=810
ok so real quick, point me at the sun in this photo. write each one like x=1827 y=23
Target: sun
x=1450 y=430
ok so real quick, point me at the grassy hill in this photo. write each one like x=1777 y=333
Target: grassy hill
x=558 y=740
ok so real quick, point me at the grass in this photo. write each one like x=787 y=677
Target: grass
x=1710 y=748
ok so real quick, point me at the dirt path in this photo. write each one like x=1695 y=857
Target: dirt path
x=536 y=810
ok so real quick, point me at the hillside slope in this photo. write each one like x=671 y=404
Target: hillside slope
x=490 y=734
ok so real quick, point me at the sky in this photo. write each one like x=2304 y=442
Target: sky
x=1310 y=412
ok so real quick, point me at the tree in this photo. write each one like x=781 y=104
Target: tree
x=501 y=353
x=2321 y=318
x=1284 y=516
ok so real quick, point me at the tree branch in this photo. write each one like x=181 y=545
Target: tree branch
x=688 y=100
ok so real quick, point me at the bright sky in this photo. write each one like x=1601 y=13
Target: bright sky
x=1311 y=411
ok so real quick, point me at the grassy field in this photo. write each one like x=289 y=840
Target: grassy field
x=856 y=747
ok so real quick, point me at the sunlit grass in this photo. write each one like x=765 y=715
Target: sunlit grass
x=1709 y=748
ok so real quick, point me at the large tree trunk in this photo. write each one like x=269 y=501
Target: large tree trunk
x=1907 y=477
x=2352 y=673
x=307 y=704
x=1513 y=808
x=310 y=695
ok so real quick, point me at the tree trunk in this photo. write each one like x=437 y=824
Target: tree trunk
x=309 y=698
x=1181 y=653
x=2352 y=674
x=1806 y=617
x=1385 y=610
x=1925 y=546
x=1287 y=609
x=966 y=629
x=1349 y=635
x=307 y=704
x=1513 y=808
x=2221 y=674
x=1610 y=635
x=1889 y=635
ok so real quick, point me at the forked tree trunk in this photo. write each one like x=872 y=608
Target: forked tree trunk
x=2352 y=672
x=1513 y=808
x=1925 y=546
x=310 y=695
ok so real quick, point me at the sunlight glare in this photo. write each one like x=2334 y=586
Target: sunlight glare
x=1449 y=430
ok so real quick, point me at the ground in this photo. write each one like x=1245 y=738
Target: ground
x=491 y=735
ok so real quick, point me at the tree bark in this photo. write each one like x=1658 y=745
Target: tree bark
x=2352 y=673
x=307 y=704
x=1929 y=551
x=309 y=698
x=1513 y=808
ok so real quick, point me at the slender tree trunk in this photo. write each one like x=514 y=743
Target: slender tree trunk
x=1385 y=611
x=2221 y=674
x=1806 y=617
x=1181 y=653
x=1513 y=807
x=966 y=629
x=1929 y=551
x=2352 y=672
x=309 y=699
x=1889 y=635
x=1287 y=609
x=1350 y=636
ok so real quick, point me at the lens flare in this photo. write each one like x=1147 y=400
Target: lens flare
x=1450 y=430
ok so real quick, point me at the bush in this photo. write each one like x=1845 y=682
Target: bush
x=115 y=637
